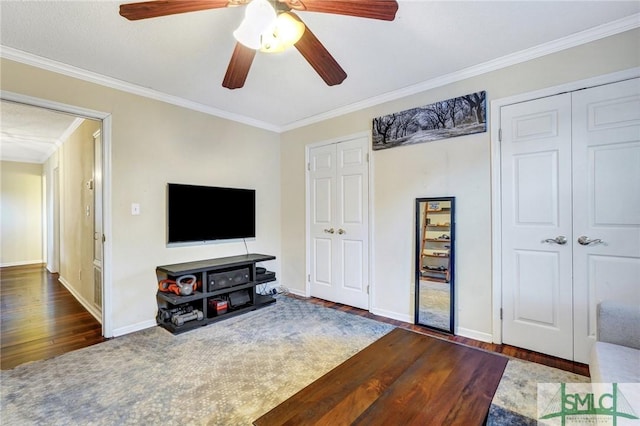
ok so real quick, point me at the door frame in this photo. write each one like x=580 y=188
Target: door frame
x=106 y=119
x=308 y=148
x=496 y=194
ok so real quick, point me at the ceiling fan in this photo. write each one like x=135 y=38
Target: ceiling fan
x=271 y=26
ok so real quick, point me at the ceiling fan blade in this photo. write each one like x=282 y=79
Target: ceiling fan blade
x=239 y=66
x=372 y=9
x=319 y=58
x=153 y=9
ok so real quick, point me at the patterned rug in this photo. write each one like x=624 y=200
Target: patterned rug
x=515 y=402
x=228 y=373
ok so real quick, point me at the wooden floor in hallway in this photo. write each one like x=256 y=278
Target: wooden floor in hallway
x=40 y=318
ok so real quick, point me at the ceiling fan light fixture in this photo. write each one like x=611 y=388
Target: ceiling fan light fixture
x=259 y=16
x=285 y=32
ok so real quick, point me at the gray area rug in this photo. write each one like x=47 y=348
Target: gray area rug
x=228 y=373
x=516 y=399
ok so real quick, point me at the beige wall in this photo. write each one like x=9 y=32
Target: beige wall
x=154 y=143
x=457 y=167
x=76 y=211
x=21 y=214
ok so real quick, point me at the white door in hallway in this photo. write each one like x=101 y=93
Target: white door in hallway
x=338 y=222
x=606 y=203
x=536 y=225
x=570 y=187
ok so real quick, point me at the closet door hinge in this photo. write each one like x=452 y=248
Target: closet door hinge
x=500 y=313
x=309 y=166
x=367 y=157
x=367 y=289
x=309 y=278
x=499 y=135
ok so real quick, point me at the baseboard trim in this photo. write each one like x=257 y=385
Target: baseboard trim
x=474 y=334
x=297 y=292
x=22 y=263
x=392 y=315
x=134 y=327
x=89 y=306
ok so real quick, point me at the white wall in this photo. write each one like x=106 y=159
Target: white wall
x=154 y=143
x=457 y=167
x=21 y=214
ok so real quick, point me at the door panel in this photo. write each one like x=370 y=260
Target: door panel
x=322 y=193
x=353 y=228
x=536 y=282
x=536 y=189
x=536 y=209
x=606 y=182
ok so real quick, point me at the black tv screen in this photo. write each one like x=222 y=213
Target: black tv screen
x=207 y=213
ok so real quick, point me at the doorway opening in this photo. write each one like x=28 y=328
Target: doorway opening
x=97 y=125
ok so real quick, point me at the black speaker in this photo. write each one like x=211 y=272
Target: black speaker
x=227 y=279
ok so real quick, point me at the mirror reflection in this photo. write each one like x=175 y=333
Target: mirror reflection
x=435 y=232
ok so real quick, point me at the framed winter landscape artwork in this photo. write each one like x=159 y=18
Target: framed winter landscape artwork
x=459 y=116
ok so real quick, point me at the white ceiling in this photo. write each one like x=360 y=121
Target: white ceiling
x=183 y=58
x=29 y=134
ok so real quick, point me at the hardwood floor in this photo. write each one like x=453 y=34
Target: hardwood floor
x=39 y=318
x=507 y=350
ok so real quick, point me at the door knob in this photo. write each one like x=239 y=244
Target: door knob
x=585 y=241
x=341 y=231
x=329 y=231
x=560 y=239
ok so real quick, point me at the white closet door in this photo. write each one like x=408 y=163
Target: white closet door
x=606 y=196
x=322 y=195
x=339 y=227
x=536 y=225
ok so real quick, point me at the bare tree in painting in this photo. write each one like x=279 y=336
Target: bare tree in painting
x=384 y=125
x=452 y=110
x=476 y=102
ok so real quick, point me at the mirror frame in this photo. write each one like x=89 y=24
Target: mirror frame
x=418 y=260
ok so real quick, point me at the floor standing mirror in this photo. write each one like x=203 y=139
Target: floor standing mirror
x=435 y=266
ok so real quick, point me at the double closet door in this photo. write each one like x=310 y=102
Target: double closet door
x=570 y=184
x=338 y=222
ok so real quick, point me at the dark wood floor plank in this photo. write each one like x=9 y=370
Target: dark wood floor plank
x=40 y=318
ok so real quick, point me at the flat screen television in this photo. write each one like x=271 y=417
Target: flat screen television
x=207 y=213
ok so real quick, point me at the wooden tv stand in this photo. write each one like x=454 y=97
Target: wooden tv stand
x=199 y=308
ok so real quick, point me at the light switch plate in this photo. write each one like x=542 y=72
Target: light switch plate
x=135 y=209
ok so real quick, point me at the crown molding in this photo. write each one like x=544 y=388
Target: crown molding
x=577 y=39
x=69 y=131
x=596 y=33
x=58 y=67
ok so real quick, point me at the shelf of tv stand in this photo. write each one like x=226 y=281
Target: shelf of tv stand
x=199 y=299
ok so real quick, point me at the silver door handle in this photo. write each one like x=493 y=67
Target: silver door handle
x=585 y=241
x=329 y=231
x=560 y=239
x=341 y=231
